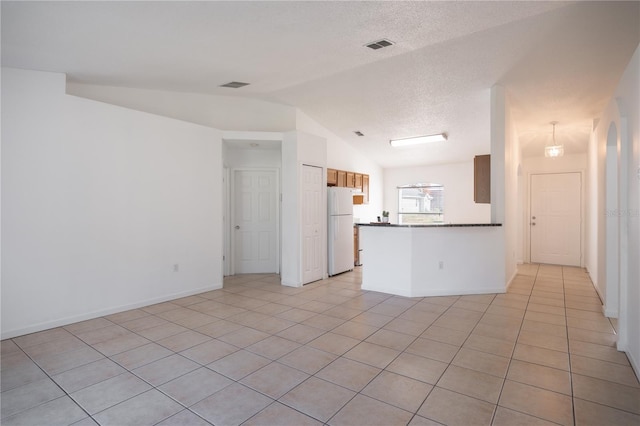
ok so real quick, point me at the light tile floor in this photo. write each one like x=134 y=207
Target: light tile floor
x=257 y=353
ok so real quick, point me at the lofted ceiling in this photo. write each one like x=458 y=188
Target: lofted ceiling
x=558 y=60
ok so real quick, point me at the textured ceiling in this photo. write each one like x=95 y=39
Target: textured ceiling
x=559 y=61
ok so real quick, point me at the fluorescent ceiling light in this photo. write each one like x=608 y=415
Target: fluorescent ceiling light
x=440 y=137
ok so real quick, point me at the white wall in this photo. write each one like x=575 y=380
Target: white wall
x=298 y=149
x=512 y=199
x=624 y=112
x=252 y=158
x=502 y=168
x=98 y=204
x=290 y=274
x=628 y=93
x=611 y=116
x=432 y=261
x=591 y=213
x=506 y=175
x=340 y=155
x=221 y=112
x=499 y=153
x=312 y=151
x=457 y=179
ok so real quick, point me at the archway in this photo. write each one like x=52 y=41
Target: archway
x=612 y=225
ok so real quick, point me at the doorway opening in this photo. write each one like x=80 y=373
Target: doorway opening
x=556 y=218
x=255 y=221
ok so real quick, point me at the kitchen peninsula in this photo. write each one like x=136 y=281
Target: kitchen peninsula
x=432 y=260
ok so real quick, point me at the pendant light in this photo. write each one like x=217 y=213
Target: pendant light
x=553 y=149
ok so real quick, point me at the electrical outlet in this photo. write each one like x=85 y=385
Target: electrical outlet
x=176 y=267
x=441 y=265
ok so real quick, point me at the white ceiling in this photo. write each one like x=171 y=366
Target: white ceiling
x=559 y=61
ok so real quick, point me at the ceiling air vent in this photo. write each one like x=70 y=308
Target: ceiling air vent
x=234 y=84
x=379 y=44
x=359 y=133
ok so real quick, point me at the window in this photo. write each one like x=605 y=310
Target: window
x=421 y=203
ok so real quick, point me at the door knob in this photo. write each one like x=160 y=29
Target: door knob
x=237 y=226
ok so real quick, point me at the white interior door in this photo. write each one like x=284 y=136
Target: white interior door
x=556 y=219
x=313 y=216
x=255 y=221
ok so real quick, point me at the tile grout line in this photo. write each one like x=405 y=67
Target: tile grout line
x=277 y=400
x=294 y=323
x=397 y=356
x=240 y=348
x=515 y=343
x=65 y=393
x=566 y=327
x=153 y=387
x=458 y=351
x=381 y=370
x=128 y=370
x=571 y=373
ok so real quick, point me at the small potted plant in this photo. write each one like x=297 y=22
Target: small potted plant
x=385 y=216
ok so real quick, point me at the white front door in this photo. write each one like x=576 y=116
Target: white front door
x=313 y=217
x=255 y=221
x=556 y=219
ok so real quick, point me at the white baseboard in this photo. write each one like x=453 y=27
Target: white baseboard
x=614 y=314
x=513 y=277
x=432 y=292
x=102 y=312
x=386 y=290
x=593 y=283
x=634 y=363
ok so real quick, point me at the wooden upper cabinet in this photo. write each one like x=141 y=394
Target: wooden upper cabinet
x=365 y=188
x=351 y=180
x=332 y=177
x=358 y=181
x=342 y=178
x=482 y=179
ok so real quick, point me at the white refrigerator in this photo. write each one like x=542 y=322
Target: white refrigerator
x=340 y=230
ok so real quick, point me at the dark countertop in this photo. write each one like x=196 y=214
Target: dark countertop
x=434 y=225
